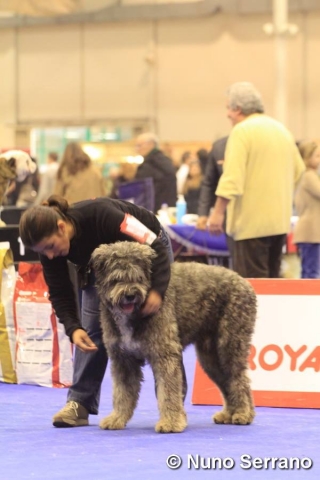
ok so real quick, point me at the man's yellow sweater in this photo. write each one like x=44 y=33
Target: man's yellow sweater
x=262 y=166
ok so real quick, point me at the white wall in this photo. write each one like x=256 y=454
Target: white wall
x=172 y=73
x=49 y=74
x=8 y=117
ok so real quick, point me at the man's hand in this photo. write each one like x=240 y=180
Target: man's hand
x=202 y=222
x=216 y=219
x=215 y=222
x=152 y=304
x=82 y=341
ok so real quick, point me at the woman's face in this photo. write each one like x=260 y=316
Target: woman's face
x=194 y=169
x=56 y=245
x=314 y=160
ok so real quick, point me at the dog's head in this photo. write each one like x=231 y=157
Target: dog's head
x=20 y=162
x=123 y=274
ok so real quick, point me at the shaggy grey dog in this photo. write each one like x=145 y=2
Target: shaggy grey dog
x=210 y=307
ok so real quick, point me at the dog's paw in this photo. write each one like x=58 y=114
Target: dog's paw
x=222 y=417
x=112 y=422
x=243 y=418
x=168 y=426
x=238 y=418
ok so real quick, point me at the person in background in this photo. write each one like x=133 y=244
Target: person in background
x=183 y=171
x=77 y=177
x=307 y=202
x=159 y=167
x=210 y=181
x=60 y=234
x=48 y=178
x=203 y=156
x=191 y=190
x=120 y=175
x=261 y=169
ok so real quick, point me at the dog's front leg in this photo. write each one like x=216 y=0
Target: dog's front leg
x=168 y=377
x=127 y=377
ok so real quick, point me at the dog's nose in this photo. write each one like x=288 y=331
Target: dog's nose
x=130 y=298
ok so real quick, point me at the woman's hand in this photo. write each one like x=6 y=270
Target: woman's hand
x=152 y=304
x=82 y=341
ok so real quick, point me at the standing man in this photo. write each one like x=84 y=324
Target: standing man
x=210 y=181
x=262 y=166
x=159 y=167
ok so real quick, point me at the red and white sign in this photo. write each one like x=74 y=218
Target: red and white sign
x=284 y=362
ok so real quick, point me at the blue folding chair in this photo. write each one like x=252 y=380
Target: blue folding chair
x=140 y=192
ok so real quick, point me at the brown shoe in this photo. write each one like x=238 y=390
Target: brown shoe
x=71 y=415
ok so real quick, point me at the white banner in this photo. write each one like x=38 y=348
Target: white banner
x=284 y=362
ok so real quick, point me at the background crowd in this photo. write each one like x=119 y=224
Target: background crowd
x=248 y=186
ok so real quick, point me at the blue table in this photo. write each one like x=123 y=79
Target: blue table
x=189 y=241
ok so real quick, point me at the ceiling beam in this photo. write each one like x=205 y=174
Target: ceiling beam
x=153 y=12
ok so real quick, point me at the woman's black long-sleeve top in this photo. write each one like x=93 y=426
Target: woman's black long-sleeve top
x=98 y=222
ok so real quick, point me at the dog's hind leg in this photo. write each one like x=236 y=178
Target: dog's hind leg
x=169 y=379
x=238 y=408
x=229 y=374
x=127 y=377
x=231 y=347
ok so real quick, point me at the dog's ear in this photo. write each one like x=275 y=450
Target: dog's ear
x=148 y=252
x=7 y=168
x=12 y=162
x=98 y=258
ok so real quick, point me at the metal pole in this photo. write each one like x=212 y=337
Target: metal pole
x=280 y=21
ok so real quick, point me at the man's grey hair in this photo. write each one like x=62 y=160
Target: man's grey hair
x=149 y=137
x=245 y=96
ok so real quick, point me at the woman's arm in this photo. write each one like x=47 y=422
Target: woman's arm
x=62 y=292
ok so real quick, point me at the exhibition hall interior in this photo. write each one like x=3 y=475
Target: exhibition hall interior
x=159 y=239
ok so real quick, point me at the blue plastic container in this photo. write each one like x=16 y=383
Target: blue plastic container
x=181 y=209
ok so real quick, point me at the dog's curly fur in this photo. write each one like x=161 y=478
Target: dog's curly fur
x=210 y=307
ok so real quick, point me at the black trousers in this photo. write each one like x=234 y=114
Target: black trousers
x=258 y=257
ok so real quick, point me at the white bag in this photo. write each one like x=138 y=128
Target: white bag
x=7 y=326
x=44 y=352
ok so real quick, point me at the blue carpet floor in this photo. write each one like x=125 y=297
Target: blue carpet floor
x=30 y=448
